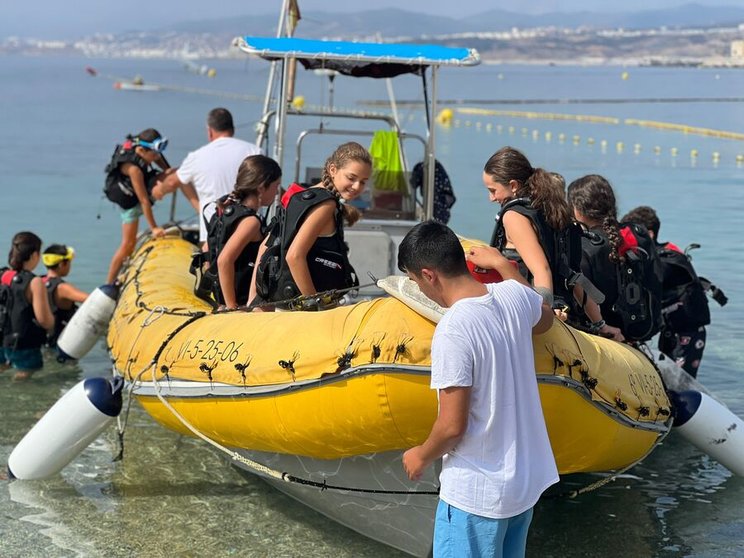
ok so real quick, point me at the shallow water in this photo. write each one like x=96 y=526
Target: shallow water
x=173 y=496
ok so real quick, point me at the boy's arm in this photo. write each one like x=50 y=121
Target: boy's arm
x=71 y=292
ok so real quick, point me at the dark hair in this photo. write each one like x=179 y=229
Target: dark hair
x=432 y=245
x=220 y=120
x=593 y=196
x=24 y=245
x=646 y=216
x=254 y=171
x=150 y=134
x=542 y=187
x=344 y=154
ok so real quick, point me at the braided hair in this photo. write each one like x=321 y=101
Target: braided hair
x=343 y=155
x=593 y=197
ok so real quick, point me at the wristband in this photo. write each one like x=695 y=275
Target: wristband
x=596 y=327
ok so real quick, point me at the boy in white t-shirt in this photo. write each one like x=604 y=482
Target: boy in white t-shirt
x=490 y=430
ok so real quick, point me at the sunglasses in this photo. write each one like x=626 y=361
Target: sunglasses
x=158 y=145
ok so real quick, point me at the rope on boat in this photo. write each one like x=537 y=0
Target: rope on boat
x=571 y=494
x=263 y=469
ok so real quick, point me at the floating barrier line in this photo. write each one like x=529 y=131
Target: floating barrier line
x=684 y=129
x=645 y=100
x=541 y=115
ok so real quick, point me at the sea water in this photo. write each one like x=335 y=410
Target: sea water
x=174 y=496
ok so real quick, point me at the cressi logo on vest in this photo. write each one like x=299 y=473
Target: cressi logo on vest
x=327 y=260
x=639 y=291
x=118 y=186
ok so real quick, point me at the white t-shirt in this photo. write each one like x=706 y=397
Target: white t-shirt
x=504 y=461
x=212 y=170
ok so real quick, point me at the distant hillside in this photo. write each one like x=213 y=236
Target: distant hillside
x=387 y=22
x=687 y=15
x=402 y=23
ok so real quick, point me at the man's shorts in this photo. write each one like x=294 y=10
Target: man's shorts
x=131 y=215
x=459 y=534
x=25 y=360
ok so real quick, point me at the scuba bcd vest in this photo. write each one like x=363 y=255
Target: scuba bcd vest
x=684 y=302
x=562 y=250
x=118 y=186
x=62 y=316
x=327 y=259
x=19 y=327
x=220 y=228
x=639 y=285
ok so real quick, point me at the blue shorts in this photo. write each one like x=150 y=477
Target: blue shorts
x=131 y=215
x=461 y=534
x=25 y=360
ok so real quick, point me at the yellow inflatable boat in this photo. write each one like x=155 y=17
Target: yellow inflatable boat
x=333 y=397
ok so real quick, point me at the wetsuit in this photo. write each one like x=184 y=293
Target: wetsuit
x=684 y=308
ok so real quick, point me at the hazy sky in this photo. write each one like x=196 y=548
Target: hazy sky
x=64 y=18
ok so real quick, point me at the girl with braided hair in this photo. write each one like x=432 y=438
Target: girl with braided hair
x=306 y=253
x=608 y=250
x=535 y=229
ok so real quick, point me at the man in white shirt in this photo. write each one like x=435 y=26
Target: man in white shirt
x=490 y=429
x=209 y=172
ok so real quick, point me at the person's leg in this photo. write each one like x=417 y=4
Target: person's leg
x=4 y=362
x=515 y=541
x=128 y=241
x=692 y=352
x=25 y=361
x=687 y=350
x=459 y=534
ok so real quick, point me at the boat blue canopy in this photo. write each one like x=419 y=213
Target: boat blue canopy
x=379 y=60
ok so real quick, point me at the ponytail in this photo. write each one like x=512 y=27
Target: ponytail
x=23 y=247
x=547 y=196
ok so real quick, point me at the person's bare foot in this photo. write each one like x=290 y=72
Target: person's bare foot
x=21 y=376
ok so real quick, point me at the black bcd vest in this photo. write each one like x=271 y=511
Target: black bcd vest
x=562 y=250
x=62 y=316
x=118 y=186
x=633 y=287
x=684 y=302
x=327 y=260
x=220 y=228
x=18 y=323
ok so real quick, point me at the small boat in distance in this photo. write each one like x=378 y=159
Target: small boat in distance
x=136 y=84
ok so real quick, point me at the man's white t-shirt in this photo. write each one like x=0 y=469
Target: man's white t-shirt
x=504 y=461
x=212 y=170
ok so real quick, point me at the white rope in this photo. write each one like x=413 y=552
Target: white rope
x=232 y=454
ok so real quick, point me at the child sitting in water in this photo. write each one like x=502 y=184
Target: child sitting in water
x=25 y=315
x=63 y=296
